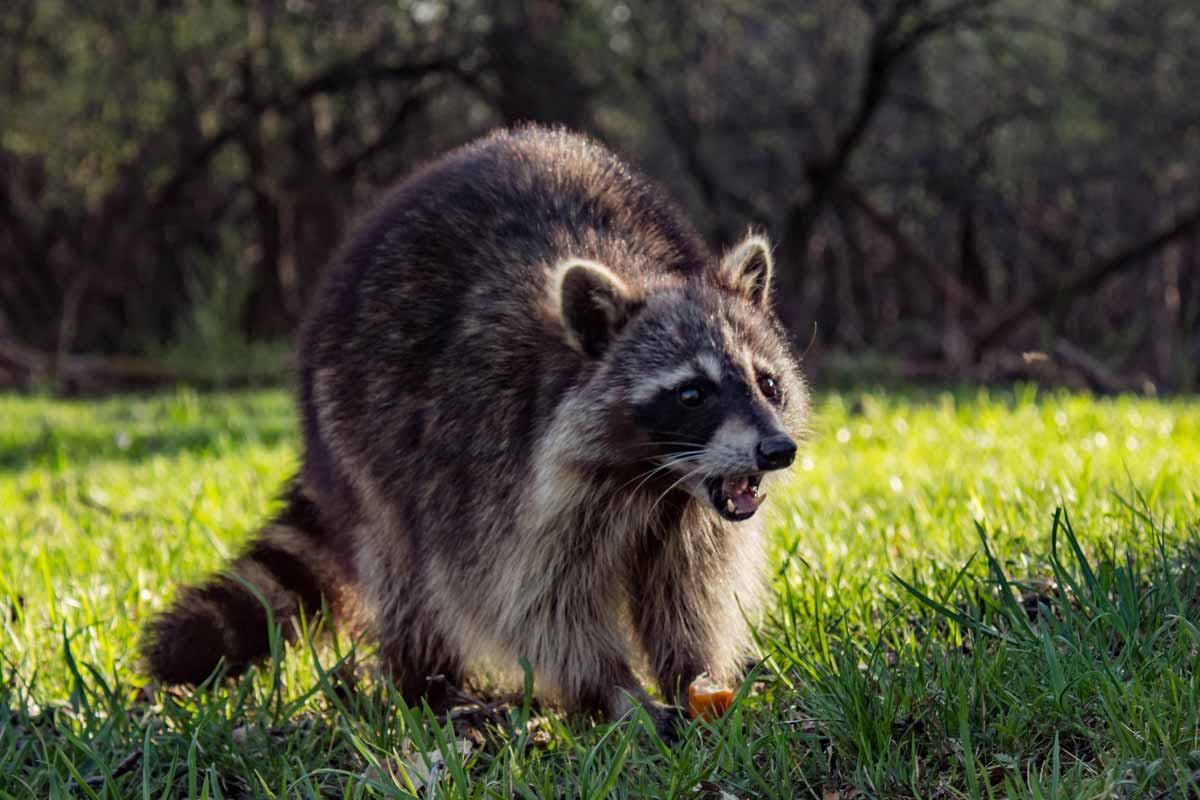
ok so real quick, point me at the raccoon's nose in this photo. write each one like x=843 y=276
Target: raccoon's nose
x=775 y=452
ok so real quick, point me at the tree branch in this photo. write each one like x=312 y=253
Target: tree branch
x=1083 y=280
x=338 y=76
x=910 y=250
x=897 y=34
x=685 y=135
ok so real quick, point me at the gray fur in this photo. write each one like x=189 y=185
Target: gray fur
x=492 y=456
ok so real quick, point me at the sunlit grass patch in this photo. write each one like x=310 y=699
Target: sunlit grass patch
x=977 y=594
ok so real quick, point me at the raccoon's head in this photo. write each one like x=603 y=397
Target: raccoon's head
x=694 y=385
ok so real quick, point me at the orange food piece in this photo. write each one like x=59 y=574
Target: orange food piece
x=708 y=701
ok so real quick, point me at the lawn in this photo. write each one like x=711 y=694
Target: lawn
x=978 y=594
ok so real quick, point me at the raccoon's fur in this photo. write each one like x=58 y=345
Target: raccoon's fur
x=536 y=411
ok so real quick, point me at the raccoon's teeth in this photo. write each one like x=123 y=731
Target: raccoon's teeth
x=729 y=506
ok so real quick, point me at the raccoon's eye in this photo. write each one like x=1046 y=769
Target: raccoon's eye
x=690 y=396
x=769 y=387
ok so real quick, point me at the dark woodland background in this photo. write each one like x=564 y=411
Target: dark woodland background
x=987 y=190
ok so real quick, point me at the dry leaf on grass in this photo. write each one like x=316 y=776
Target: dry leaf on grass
x=714 y=790
x=248 y=734
x=421 y=769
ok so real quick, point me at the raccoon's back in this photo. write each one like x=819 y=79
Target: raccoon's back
x=489 y=216
x=429 y=341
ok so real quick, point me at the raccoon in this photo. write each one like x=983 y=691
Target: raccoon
x=539 y=417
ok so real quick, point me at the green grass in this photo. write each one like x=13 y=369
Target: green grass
x=978 y=595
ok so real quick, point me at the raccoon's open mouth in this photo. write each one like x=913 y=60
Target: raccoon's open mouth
x=736 y=497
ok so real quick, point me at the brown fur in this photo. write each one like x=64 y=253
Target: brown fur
x=494 y=465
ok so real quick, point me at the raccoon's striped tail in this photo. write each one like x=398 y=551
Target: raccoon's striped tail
x=288 y=566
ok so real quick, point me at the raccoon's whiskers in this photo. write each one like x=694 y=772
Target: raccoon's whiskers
x=667 y=443
x=671 y=488
x=682 y=458
x=656 y=432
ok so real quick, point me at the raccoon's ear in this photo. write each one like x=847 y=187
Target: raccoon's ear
x=749 y=268
x=593 y=302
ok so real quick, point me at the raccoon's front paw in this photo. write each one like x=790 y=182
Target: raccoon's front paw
x=670 y=722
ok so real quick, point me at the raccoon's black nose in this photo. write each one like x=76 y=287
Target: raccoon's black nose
x=776 y=452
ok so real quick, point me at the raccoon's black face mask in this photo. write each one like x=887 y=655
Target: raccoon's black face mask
x=711 y=394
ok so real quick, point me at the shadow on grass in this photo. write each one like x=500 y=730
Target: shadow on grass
x=108 y=432
x=78 y=449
